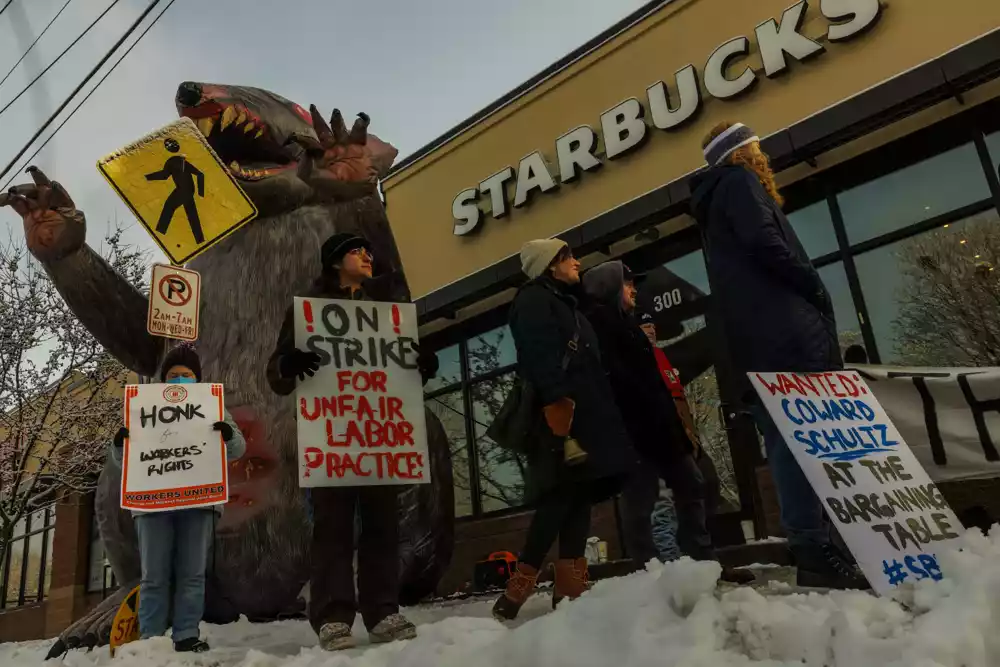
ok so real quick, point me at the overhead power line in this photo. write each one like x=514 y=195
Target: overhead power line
x=40 y=35
x=4 y=8
x=53 y=63
x=107 y=56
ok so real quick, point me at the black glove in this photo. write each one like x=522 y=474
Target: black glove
x=298 y=364
x=120 y=437
x=427 y=363
x=225 y=429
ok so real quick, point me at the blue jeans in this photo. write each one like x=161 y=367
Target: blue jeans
x=174 y=547
x=802 y=514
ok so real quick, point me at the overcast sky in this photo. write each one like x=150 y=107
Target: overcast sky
x=417 y=67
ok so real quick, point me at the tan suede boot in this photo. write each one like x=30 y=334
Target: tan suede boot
x=572 y=579
x=519 y=588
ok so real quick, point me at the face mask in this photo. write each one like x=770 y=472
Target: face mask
x=182 y=380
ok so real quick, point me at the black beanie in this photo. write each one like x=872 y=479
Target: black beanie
x=338 y=245
x=182 y=355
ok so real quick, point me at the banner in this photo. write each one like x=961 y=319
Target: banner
x=173 y=458
x=950 y=417
x=890 y=514
x=361 y=417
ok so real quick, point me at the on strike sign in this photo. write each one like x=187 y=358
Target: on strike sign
x=173 y=458
x=893 y=518
x=361 y=417
x=174 y=300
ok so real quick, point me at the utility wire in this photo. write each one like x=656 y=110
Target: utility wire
x=9 y=3
x=53 y=63
x=42 y=34
x=90 y=75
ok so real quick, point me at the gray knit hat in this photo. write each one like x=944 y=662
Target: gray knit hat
x=538 y=254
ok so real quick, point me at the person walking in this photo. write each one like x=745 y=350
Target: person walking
x=347 y=266
x=558 y=354
x=652 y=420
x=776 y=315
x=174 y=545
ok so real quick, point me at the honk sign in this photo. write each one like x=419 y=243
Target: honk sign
x=361 y=416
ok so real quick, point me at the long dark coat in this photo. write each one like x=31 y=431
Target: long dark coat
x=543 y=321
x=776 y=312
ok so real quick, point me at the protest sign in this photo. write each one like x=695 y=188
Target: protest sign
x=361 y=417
x=173 y=458
x=893 y=518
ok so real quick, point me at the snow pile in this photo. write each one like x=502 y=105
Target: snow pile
x=668 y=615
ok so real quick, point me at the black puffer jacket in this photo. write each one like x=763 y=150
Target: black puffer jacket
x=542 y=323
x=627 y=355
x=775 y=309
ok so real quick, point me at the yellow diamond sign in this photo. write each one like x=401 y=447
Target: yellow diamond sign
x=178 y=189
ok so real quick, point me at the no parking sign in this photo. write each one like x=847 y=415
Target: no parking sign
x=174 y=300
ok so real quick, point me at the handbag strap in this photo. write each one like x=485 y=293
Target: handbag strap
x=574 y=343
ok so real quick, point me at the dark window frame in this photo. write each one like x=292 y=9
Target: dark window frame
x=48 y=525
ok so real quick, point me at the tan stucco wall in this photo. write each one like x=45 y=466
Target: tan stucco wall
x=419 y=197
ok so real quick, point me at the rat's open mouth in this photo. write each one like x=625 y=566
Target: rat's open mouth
x=249 y=128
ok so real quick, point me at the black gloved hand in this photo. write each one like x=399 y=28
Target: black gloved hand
x=225 y=429
x=427 y=363
x=120 y=437
x=298 y=364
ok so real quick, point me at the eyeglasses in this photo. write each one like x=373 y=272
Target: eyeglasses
x=362 y=253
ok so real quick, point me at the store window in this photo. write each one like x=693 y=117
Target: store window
x=449 y=369
x=450 y=411
x=814 y=228
x=27 y=566
x=501 y=472
x=491 y=351
x=848 y=328
x=993 y=143
x=913 y=194
x=932 y=299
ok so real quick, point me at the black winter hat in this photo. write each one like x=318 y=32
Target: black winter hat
x=338 y=245
x=182 y=355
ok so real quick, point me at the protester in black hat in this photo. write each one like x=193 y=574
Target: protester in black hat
x=348 y=265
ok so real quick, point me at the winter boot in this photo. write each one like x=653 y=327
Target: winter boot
x=335 y=637
x=191 y=645
x=519 y=588
x=572 y=579
x=737 y=575
x=394 y=627
x=824 y=566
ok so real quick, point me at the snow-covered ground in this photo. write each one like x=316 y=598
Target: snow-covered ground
x=671 y=614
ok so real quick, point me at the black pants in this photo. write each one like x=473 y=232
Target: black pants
x=684 y=477
x=562 y=514
x=331 y=582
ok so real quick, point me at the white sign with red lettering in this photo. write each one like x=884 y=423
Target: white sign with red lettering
x=361 y=416
x=174 y=302
x=889 y=512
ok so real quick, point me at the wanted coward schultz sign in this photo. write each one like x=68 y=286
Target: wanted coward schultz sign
x=173 y=458
x=893 y=518
x=361 y=417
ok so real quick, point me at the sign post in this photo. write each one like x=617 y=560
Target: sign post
x=173 y=458
x=178 y=188
x=174 y=301
x=361 y=417
x=893 y=518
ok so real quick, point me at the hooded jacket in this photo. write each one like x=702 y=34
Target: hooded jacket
x=641 y=395
x=775 y=310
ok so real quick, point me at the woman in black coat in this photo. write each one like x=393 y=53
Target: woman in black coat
x=558 y=354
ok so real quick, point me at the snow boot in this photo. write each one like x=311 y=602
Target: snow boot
x=737 y=575
x=572 y=579
x=519 y=588
x=394 y=627
x=824 y=566
x=191 y=645
x=335 y=637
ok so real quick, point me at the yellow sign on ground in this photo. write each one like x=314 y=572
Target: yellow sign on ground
x=125 y=627
x=179 y=190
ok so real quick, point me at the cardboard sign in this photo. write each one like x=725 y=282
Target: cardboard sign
x=179 y=190
x=361 y=417
x=174 y=302
x=173 y=458
x=893 y=518
x=125 y=626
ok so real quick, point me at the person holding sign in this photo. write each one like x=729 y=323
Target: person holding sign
x=777 y=316
x=174 y=545
x=347 y=269
x=558 y=354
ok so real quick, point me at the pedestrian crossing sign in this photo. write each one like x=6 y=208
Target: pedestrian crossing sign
x=179 y=189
